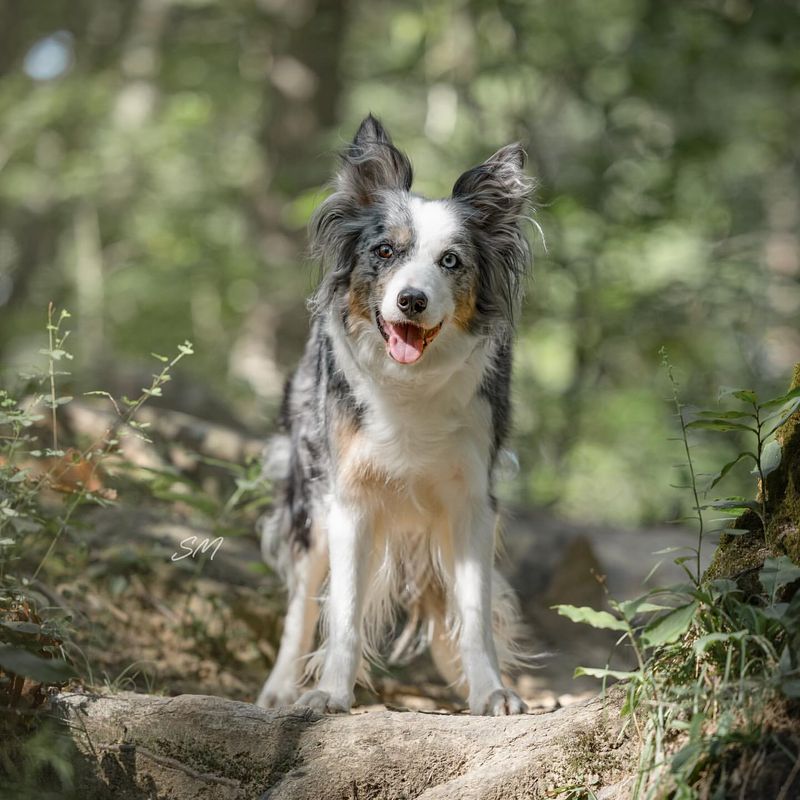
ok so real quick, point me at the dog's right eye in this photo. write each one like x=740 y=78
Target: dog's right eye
x=384 y=251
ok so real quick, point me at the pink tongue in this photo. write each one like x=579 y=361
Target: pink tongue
x=405 y=342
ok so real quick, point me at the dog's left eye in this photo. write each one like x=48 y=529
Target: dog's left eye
x=384 y=251
x=449 y=261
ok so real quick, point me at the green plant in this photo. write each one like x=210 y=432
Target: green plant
x=717 y=664
x=42 y=486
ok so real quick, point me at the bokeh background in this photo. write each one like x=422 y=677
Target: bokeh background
x=159 y=160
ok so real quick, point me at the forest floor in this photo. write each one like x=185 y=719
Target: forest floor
x=141 y=621
x=138 y=613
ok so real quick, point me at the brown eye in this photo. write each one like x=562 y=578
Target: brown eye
x=384 y=251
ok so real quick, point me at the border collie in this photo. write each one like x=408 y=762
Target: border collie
x=392 y=426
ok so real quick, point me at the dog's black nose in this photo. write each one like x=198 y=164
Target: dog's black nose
x=412 y=302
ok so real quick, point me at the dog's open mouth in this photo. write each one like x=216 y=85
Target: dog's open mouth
x=406 y=341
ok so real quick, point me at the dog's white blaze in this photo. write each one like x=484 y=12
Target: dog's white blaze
x=434 y=225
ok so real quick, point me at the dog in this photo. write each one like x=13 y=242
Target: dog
x=392 y=428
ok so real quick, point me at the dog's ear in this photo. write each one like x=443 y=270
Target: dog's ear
x=498 y=190
x=371 y=163
x=497 y=198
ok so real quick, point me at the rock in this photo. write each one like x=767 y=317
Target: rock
x=574 y=580
x=194 y=746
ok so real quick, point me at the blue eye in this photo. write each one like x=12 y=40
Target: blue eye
x=449 y=261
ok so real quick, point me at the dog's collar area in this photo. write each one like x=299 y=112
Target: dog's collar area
x=406 y=341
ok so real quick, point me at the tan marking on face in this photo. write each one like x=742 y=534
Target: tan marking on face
x=401 y=236
x=465 y=308
x=358 y=301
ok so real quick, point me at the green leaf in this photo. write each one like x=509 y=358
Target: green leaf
x=704 y=642
x=59 y=401
x=733 y=504
x=726 y=414
x=652 y=571
x=723 y=586
x=719 y=425
x=604 y=673
x=728 y=467
x=784 y=398
x=778 y=572
x=590 y=616
x=688 y=754
x=45 y=670
x=770 y=458
x=785 y=665
x=776 y=612
x=668 y=628
x=790 y=411
x=641 y=605
x=745 y=395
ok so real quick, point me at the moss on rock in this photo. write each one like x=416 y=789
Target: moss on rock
x=741 y=556
x=783 y=531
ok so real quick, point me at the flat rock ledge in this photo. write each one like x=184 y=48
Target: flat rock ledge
x=194 y=746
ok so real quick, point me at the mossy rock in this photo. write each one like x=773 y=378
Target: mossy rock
x=741 y=556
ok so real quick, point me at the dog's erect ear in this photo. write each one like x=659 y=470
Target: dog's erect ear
x=497 y=196
x=372 y=163
x=498 y=190
x=371 y=130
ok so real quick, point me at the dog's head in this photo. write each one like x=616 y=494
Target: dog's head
x=416 y=280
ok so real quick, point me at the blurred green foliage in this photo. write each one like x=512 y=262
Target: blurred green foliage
x=159 y=160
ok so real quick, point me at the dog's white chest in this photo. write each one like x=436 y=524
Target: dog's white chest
x=426 y=441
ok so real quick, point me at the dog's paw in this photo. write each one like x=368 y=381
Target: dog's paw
x=500 y=703
x=325 y=703
x=275 y=698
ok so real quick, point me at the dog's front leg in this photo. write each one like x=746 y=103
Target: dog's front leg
x=350 y=550
x=473 y=555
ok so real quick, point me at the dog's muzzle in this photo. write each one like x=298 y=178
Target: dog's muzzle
x=406 y=341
